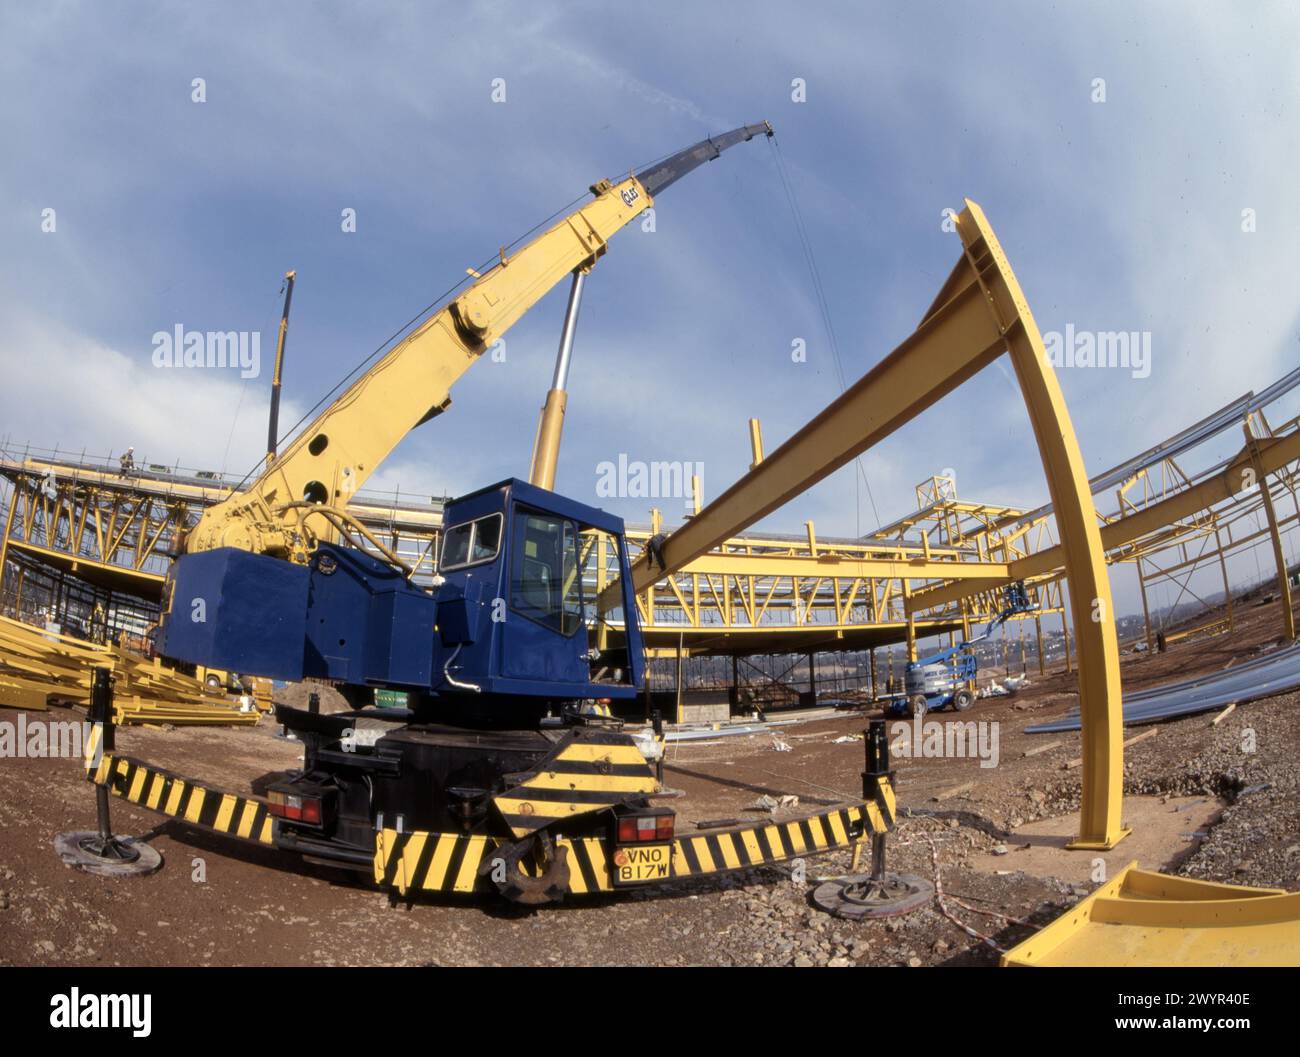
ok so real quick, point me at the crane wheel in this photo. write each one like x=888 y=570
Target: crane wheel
x=549 y=877
x=962 y=700
x=918 y=704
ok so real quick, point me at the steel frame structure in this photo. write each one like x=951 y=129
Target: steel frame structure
x=1175 y=510
x=1177 y=552
x=119 y=529
x=86 y=518
x=980 y=313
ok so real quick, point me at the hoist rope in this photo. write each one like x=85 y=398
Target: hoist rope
x=401 y=331
x=823 y=306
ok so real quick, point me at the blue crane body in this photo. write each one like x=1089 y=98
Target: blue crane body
x=498 y=663
x=504 y=622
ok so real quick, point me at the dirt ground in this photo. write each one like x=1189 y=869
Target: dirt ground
x=217 y=902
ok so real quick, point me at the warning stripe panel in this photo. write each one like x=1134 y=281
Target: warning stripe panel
x=633 y=769
x=715 y=852
x=886 y=801
x=891 y=803
x=450 y=862
x=605 y=783
x=624 y=752
x=429 y=862
x=169 y=794
x=92 y=747
x=584 y=774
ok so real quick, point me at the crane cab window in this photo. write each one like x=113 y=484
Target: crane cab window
x=546 y=583
x=471 y=543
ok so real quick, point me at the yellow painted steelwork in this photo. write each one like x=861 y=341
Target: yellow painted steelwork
x=1275 y=536
x=87 y=518
x=1100 y=703
x=39 y=667
x=546 y=449
x=120 y=531
x=1140 y=918
x=979 y=314
x=1121 y=534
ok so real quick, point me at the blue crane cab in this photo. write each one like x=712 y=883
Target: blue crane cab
x=510 y=622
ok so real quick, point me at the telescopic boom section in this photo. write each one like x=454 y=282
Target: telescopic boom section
x=410 y=384
x=670 y=170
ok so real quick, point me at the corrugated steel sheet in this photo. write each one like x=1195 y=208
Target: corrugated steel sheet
x=1273 y=673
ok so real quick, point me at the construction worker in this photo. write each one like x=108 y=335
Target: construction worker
x=655 y=551
x=128 y=461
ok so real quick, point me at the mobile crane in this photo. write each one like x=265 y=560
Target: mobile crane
x=495 y=775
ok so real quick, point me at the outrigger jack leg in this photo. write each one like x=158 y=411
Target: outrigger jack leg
x=878 y=894
x=100 y=852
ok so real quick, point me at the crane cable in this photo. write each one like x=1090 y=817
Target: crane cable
x=440 y=300
x=420 y=316
x=824 y=308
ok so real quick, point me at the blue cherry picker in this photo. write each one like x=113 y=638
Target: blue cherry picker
x=943 y=679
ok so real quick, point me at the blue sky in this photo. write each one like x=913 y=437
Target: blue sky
x=1117 y=215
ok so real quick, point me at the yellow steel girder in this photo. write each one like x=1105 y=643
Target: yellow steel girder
x=1239 y=476
x=979 y=314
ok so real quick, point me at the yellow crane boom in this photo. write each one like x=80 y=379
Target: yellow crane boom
x=329 y=460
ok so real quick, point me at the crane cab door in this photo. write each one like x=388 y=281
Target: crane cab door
x=544 y=635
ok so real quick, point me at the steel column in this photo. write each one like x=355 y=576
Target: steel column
x=1100 y=823
x=1279 y=556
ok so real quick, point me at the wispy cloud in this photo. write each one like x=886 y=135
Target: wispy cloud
x=1117 y=215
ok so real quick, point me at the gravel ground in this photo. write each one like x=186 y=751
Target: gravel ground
x=220 y=903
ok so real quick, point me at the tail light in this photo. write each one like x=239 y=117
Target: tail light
x=635 y=828
x=295 y=807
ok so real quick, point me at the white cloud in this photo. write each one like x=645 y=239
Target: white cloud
x=68 y=390
x=1122 y=215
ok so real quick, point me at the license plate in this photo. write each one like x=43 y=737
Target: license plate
x=639 y=863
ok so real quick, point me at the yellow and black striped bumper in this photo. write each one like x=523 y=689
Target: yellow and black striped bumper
x=418 y=861
x=446 y=862
x=235 y=816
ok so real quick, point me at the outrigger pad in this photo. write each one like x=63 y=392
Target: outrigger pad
x=120 y=857
x=860 y=897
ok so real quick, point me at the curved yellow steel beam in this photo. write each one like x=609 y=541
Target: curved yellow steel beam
x=1100 y=700
x=1141 y=918
x=979 y=313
